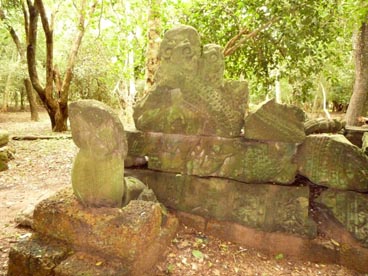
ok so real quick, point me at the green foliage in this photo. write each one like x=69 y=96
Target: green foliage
x=296 y=42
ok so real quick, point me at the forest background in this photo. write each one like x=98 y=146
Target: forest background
x=306 y=52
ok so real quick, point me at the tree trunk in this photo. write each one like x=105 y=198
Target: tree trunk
x=154 y=39
x=54 y=94
x=6 y=93
x=21 y=52
x=359 y=96
x=31 y=99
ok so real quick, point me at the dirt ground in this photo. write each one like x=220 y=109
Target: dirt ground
x=42 y=167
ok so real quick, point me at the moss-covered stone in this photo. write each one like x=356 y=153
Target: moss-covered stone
x=190 y=96
x=332 y=161
x=98 y=182
x=275 y=122
x=4 y=137
x=233 y=158
x=82 y=264
x=36 y=257
x=3 y=161
x=350 y=209
x=262 y=206
x=98 y=169
x=123 y=233
x=323 y=125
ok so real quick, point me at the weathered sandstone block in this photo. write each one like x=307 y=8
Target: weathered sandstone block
x=275 y=122
x=332 y=161
x=234 y=158
x=262 y=206
x=350 y=209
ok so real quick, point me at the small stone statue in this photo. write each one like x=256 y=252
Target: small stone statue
x=98 y=169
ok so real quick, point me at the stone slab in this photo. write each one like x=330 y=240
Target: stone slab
x=323 y=125
x=262 y=206
x=233 y=158
x=275 y=122
x=350 y=209
x=332 y=161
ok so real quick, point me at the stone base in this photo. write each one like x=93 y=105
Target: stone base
x=337 y=246
x=92 y=241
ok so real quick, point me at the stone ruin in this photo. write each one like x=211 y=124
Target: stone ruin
x=263 y=179
x=107 y=224
x=5 y=153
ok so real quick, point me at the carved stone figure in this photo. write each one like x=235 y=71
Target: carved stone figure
x=190 y=95
x=98 y=169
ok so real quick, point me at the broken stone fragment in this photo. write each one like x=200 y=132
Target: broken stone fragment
x=322 y=125
x=332 y=161
x=350 y=209
x=275 y=122
x=3 y=160
x=4 y=137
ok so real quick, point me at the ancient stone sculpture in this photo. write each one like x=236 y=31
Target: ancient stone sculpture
x=98 y=169
x=190 y=95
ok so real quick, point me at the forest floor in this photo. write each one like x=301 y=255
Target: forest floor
x=42 y=167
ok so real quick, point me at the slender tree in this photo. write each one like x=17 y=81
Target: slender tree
x=22 y=54
x=54 y=94
x=154 y=39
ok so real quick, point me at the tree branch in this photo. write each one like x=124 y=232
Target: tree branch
x=237 y=41
x=13 y=34
x=74 y=52
x=49 y=50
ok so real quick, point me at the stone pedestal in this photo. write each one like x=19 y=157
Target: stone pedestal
x=73 y=240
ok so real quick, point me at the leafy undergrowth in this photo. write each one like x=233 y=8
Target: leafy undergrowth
x=42 y=167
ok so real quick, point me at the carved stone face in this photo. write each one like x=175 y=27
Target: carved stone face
x=179 y=53
x=212 y=65
x=97 y=129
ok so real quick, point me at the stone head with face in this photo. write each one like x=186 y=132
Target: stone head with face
x=179 y=53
